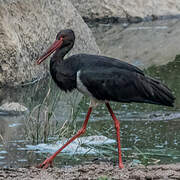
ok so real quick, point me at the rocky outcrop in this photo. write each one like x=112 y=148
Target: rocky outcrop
x=121 y=8
x=27 y=28
x=143 y=44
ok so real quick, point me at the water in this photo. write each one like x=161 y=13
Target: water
x=149 y=133
x=157 y=139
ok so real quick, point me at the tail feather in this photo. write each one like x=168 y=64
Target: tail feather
x=156 y=92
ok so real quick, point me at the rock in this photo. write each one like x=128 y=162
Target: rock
x=27 y=28
x=143 y=44
x=135 y=8
x=12 y=108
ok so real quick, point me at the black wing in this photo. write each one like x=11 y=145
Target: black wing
x=121 y=85
x=110 y=84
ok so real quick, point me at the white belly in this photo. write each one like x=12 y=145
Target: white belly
x=82 y=88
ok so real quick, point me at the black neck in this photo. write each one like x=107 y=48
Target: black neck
x=61 y=52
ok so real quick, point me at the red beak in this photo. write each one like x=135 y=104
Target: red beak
x=51 y=49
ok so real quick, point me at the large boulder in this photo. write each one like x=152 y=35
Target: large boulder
x=27 y=28
x=121 y=8
x=143 y=44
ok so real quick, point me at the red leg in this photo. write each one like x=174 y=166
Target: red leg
x=117 y=126
x=49 y=160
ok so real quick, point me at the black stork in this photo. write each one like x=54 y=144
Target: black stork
x=103 y=79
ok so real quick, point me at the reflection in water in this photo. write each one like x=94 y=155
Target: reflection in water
x=147 y=131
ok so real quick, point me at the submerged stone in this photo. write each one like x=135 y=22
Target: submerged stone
x=12 y=108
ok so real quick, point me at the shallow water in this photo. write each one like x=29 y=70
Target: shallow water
x=142 y=140
x=149 y=133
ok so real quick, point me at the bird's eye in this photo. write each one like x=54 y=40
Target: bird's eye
x=62 y=36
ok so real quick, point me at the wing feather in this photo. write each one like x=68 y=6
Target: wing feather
x=110 y=84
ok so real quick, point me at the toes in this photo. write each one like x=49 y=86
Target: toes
x=39 y=166
x=45 y=166
x=51 y=164
x=47 y=163
x=121 y=166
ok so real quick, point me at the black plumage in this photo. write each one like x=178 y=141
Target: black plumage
x=109 y=79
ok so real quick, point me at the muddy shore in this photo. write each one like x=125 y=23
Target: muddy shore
x=95 y=171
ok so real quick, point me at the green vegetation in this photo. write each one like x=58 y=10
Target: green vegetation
x=41 y=123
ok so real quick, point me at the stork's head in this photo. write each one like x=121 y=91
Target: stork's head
x=65 y=38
